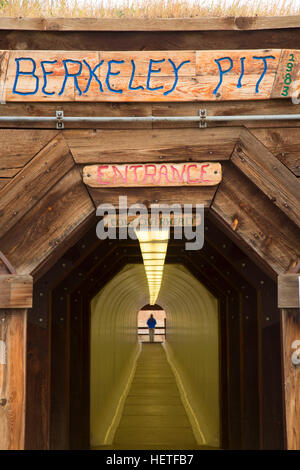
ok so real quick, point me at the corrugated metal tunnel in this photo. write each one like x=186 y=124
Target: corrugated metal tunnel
x=192 y=347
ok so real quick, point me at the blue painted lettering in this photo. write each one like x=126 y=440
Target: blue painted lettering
x=130 y=87
x=71 y=75
x=176 y=69
x=32 y=74
x=93 y=75
x=222 y=72
x=45 y=73
x=109 y=73
x=150 y=71
x=264 y=59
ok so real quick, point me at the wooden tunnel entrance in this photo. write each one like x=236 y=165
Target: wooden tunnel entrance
x=58 y=354
x=52 y=265
x=48 y=231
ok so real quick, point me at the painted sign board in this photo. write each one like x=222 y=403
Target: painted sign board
x=152 y=174
x=148 y=75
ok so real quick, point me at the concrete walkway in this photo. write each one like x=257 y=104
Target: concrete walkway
x=153 y=415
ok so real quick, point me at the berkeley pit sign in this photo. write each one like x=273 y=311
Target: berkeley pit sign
x=152 y=174
x=148 y=75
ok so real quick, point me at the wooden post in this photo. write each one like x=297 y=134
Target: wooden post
x=15 y=298
x=290 y=327
x=288 y=301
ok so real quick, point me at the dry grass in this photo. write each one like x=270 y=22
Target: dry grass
x=147 y=8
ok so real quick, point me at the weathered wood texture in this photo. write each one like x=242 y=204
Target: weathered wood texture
x=117 y=146
x=33 y=182
x=270 y=369
x=18 y=147
x=12 y=379
x=288 y=291
x=269 y=174
x=151 y=24
x=38 y=370
x=255 y=219
x=150 y=76
x=152 y=175
x=284 y=144
x=287 y=38
x=61 y=211
x=203 y=195
x=15 y=291
x=290 y=319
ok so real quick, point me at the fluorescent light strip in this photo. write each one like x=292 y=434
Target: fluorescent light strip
x=153 y=244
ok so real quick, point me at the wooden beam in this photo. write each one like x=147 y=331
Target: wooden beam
x=19 y=146
x=270 y=369
x=288 y=291
x=250 y=215
x=290 y=324
x=150 y=40
x=181 y=195
x=12 y=378
x=164 y=145
x=33 y=182
x=151 y=24
x=284 y=143
x=269 y=174
x=15 y=291
x=38 y=370
x=60 y=372
x=49 y=223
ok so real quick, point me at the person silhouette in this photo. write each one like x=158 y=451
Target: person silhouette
x=151 y=325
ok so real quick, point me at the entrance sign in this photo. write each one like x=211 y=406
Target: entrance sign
x=152 y=174
x=148 y=75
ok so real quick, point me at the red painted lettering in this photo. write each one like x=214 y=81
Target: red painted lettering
x=188 y=174
x=203 y=171
x=163 y=172
x=178 y=175
x=135 y=167
x=151 y=175
x=100 y=168
x=118 y=173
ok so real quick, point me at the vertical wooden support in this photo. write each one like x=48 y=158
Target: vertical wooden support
x=77 y=403
x=12 y=378
x=60 y=372
x=290 y=325
x=38 y=370
x=249 y=354
x=224 y=424
x=271 y=403
x=234 y=372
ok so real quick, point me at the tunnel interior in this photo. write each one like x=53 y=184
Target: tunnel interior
x=223 y=339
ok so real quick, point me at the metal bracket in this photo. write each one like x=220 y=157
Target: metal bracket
x=59 y=120
x=203 y=115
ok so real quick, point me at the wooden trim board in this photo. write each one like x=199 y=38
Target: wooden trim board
x=231 y=23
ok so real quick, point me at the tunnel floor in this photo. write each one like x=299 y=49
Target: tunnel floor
x=153 y=415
